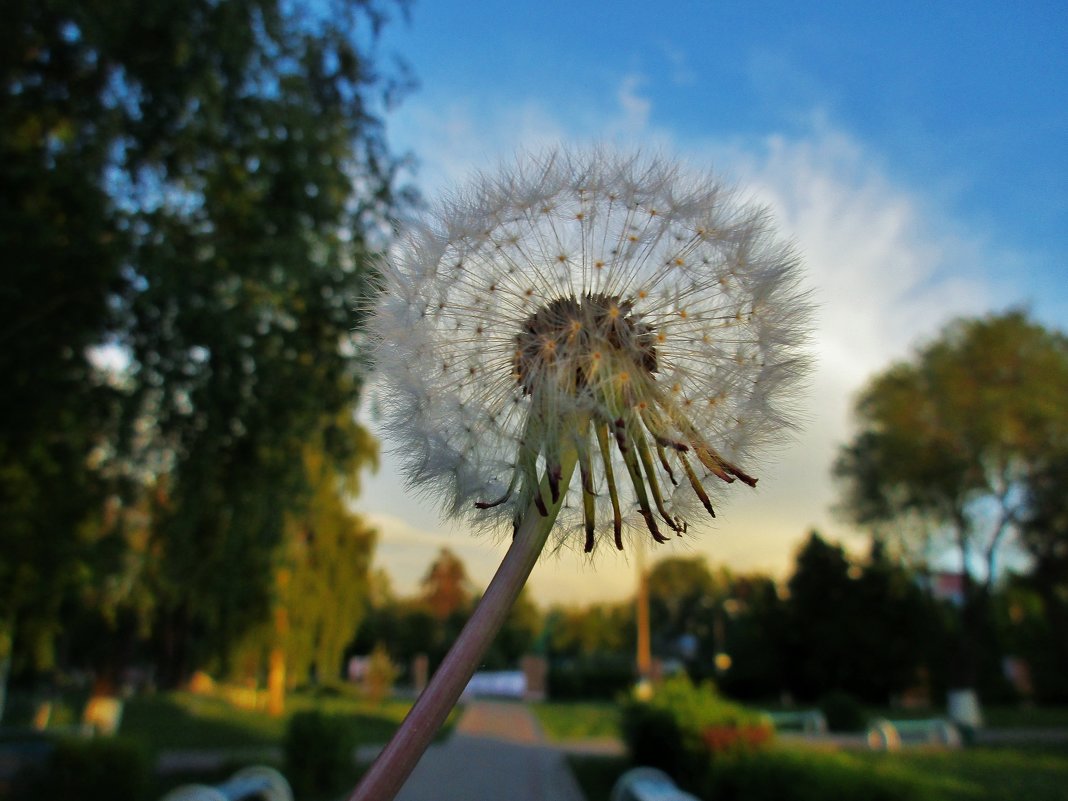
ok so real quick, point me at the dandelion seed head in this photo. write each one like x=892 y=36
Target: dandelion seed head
x=615 y=306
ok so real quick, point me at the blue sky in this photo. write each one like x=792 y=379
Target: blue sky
x=917 y=152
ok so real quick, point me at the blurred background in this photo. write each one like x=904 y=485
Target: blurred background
x=208 y=556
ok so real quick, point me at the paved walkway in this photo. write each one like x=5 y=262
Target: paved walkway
x=496 y=753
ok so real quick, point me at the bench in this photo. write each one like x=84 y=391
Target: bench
x=810 y=721
x=890 y=735
x=647 y=784
x=257 y=783
x=102 y=716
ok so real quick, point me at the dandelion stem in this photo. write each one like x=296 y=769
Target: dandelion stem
x=609 y=476
x=387 y=775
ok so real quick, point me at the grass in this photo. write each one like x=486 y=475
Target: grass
x=975 y=774
x=184 y=720
x=1021 y=717
x=1034 y=773
x=596 y=775
x=994 y=716
x=580 y=720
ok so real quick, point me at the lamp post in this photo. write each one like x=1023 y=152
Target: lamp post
x=645 y=654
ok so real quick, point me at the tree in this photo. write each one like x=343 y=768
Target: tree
x=1044 y=535
x=325 y=557
x=591 y=650
x=445 y=588
x=855 y=628
x=589 y=631
x=948 y=440
x=684 y=600
x=756 y=637
x=321 y=592
x=193 y=189
x=896 y=628
x=820 y=648
x=517 y=636
x=62 y=265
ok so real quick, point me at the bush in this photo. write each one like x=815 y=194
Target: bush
x=682 y=726
x=381 y=674
x=843 y=712
x=104 y=769
x=318 y=753
x=591 y=677
x=779 y=775
x=654 y=739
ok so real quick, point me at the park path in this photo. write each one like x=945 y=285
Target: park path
x=496 y=753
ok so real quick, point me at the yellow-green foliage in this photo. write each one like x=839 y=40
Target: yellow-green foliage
x=667 y=730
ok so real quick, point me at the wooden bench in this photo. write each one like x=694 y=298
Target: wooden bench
x=890 y=735
x=260 y=783
x=102 y=716
x=810 y=721
x=647 y=784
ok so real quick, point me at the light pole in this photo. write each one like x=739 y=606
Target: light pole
x=645 y=654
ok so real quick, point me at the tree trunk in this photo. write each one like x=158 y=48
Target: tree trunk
x=276 y=667
x=963 y=701
x=644 y=656
x=7 y=632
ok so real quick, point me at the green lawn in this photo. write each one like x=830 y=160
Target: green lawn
x=1031 y=773
x=184 y=720
x=976 y=774
x=578 y=720
x=1051 y=717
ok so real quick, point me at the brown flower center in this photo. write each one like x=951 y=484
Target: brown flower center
x=569 y=341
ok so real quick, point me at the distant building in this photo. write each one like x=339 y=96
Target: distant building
x=946 y=585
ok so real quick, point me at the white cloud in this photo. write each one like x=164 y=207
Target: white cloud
x=887 y=267
x=634 y=106
x=681 y=74
x=406 y=551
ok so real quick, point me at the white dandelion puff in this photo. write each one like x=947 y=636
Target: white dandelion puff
x=610 y=310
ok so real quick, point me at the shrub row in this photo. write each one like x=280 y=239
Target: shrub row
x=720 y=750
x=318 y=753
x=681 y=726
x=590 y=677
x=106 y=769
x=791 y=775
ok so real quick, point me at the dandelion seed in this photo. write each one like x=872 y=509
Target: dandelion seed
x=616 y=290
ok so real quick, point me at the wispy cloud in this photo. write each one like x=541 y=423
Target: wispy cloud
x=681 y=74
x=888 y=267
x=633 y=104
x=406 y=550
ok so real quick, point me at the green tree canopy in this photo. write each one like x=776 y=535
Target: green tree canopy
x=947 y=442
x=194 y=192
x=684 y=599
x=851 y=627
x=321 y=591
x=445 y=588
x=1044 y=535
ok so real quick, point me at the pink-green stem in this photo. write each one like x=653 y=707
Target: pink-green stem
x=398 y=759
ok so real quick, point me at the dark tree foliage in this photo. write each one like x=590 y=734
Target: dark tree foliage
x=698 y=614
x=683 y=601
x=820 y=651
x=756 y=628
x=947 y=446
x=517 y=637
x=853 y=629
x=1044 y=535
x=62 y=253
x=200 y=186
x=445 y=588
